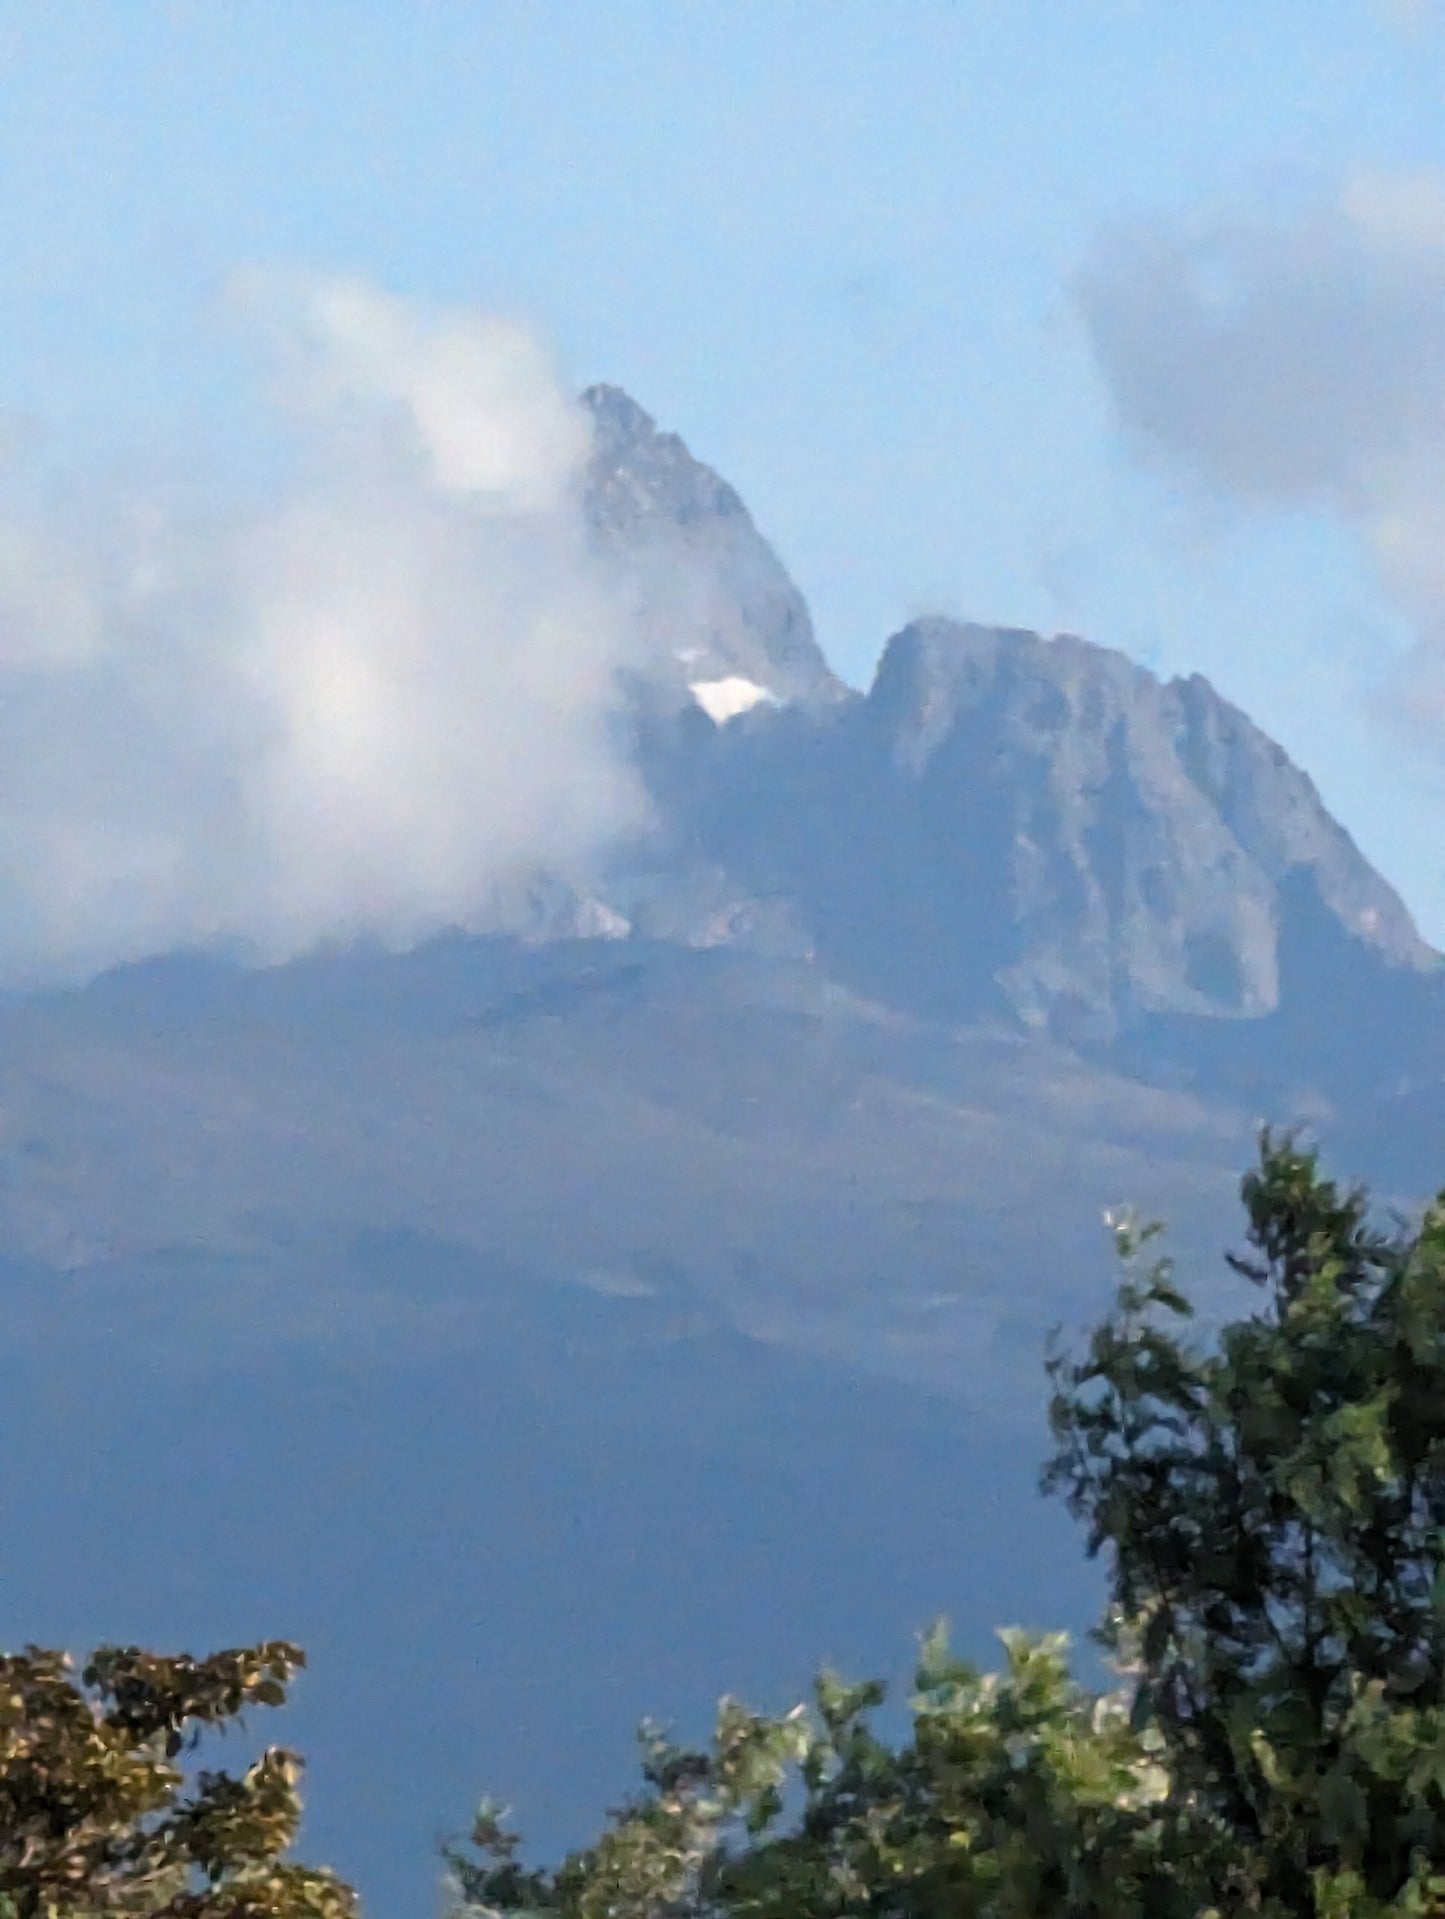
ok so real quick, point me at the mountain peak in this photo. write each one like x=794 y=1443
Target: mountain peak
x=1008 y=823
x=1148 y=826
x=712 y=599
x=1042 y=828
x=607 y=402
x=950 y=652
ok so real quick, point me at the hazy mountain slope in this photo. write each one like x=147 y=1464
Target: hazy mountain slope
x=731 y=1133
x=505 y=1323
x=502 y=1551
x=1353 y=1047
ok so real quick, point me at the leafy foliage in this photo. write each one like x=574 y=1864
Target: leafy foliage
x=1273 y=1512
x=1017 y=1793
x=98 y=1814
x=1271 y=1507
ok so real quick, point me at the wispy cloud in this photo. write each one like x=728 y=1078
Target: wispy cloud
x=365 y=707
x=1297 y=360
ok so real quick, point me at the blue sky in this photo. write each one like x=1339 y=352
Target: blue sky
x=921 y=278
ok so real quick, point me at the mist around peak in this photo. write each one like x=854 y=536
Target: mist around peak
x=363 y=707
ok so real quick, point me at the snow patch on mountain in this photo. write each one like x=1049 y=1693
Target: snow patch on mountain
x=723 y=700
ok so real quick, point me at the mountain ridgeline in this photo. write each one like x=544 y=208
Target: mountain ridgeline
x=1005 y=827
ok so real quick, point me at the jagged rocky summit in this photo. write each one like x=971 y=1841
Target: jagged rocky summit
x=1037 y=828
x=719 y=613
x=1005 y=825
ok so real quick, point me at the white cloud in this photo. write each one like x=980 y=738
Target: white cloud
x=366 y=707
x=473 y=396
x=1297 y=361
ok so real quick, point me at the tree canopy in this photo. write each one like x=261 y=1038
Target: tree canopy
x=1270 y=1507
x=1273 y=1513
x=102 y=1810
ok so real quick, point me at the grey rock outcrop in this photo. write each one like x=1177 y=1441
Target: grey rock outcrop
x=711 y=598
x=1038 y=828
x=1144 y=828
x=1008 y=827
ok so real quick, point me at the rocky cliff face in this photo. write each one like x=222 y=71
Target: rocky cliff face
x=1039 y=828
x=1035 y=830
x=716 y=605
x=1142 y=829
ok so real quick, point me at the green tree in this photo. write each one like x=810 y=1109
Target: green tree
x=1017 y=1795
x=102 y=1811
x=1271 y=1507
x=1272 y=1510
